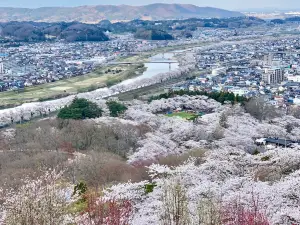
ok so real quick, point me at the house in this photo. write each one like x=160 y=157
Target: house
x=275 y=141
x=279 y=142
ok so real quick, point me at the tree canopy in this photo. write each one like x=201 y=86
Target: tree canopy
x=116 y=108
x=80 y=109
x=221 y=97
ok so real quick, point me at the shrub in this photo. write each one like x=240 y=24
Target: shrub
x=177 y=160
x=80 y=109
x=265 y=158
x=112 y=82
x=173 y=160
x=256 y=152
x=236 y=213
x=149 y=188
x=106 y=212
x=14 y=166
x=100 y=169
x=80 y=189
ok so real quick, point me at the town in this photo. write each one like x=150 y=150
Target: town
x=269 y=68
x=170 y=114
x=26 y=64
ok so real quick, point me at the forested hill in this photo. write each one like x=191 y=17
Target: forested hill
x=152 y=35
x=94 y=14
x=32 y=31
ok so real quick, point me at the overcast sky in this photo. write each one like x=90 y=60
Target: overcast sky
x=226 y=4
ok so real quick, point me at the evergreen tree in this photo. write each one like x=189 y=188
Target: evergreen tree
x=115 y=108
x=80 y=109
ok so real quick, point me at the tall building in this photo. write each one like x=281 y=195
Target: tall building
x=268 y=59
x=1 y=68
x=2 y=58
x=273 y=76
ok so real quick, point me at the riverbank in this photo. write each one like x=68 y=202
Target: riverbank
x=101 y=77
x=144 y=92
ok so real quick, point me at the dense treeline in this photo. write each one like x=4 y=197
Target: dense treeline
x=79 y=109
x=186 y=25
x=221 y=97
x=283 y=21
x=153 y=30
x=115 y=108
x=152 y=35
x=33 y=31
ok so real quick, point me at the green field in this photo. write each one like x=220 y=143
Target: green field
x=183 y=115
x=97 y=79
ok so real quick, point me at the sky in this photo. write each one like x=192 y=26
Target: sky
x=225 y=4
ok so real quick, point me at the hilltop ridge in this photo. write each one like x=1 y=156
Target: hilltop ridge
x=95 y=14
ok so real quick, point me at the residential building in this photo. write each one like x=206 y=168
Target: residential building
x=293 y=78
x=268 y=59
x=273 y=76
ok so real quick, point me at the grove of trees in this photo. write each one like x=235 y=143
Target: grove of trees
x=116 y=108
x=147 y=168
x=221 y=97
x=80 y=108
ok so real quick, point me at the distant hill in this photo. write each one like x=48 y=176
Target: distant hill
x=153 y=35
x=95 y=14
x=34 y=31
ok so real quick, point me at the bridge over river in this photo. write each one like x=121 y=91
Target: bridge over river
x=145 y=62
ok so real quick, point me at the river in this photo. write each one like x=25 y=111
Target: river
x=153 y=69
x=53 y=105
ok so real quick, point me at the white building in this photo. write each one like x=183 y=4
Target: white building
x=273 y=76
x=218 y=71
x=296 y=100
x=239 y=91
x=293 y=78
x=268 y=59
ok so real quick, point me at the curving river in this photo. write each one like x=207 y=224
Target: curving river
x=156 y=68
x=25 y=111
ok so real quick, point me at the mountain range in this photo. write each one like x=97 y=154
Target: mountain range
x=95 y=14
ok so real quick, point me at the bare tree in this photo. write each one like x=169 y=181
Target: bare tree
x=296 y=112
x=175 y=205
x=100 y=168
x=208 y=211
x=261 y=109
x=39 y=202
x=223 y=121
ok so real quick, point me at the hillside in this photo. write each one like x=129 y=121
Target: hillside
x=152 y=35
x=94 y=14
x=31 y=31
x=147 y=160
